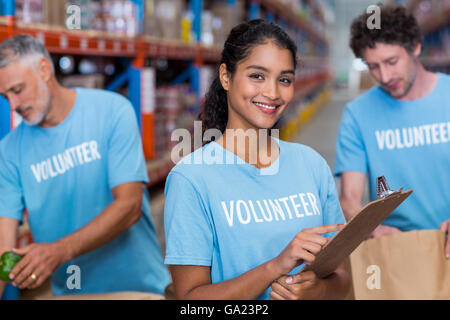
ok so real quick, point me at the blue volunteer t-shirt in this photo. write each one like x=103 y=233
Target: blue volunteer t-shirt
x=232 y=216
x=64 y=176
x=408 y=142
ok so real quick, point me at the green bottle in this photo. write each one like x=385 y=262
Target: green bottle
x=7 y=263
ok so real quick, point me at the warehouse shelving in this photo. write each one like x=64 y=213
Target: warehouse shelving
x=280 y=9
x=138 y=49
x=63 y=41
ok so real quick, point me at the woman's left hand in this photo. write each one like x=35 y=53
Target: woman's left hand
x=301 y=286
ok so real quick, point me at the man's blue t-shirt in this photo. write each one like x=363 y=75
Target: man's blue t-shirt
x=408 y=142
x=64 y=176
x=234 y=216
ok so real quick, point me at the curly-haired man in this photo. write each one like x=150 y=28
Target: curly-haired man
x=399 y=129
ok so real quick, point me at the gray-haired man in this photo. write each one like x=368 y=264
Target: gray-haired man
x=76 y=164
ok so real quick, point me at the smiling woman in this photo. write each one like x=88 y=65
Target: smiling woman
x=232 y=229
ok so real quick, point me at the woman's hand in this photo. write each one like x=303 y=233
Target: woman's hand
x=302 y=286
x=306 y=286
x=303 y=248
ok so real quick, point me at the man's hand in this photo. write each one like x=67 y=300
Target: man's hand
x=39 y=262
x=445 y=227
x=8 y=238
x=302 y=286
x=382 y=231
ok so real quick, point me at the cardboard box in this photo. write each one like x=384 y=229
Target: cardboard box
x=54 y=12
x=94 y=81
x=168 y=14
x=44 y=292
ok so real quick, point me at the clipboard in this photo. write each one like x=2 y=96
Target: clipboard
x=355 y=231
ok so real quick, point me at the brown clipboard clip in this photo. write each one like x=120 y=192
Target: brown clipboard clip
x=383 y=190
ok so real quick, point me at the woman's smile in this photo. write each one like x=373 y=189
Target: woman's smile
x=268 y=108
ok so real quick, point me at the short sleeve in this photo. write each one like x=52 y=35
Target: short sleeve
x=126 y=161
x=350 y=149
x=188 y=231
x=331 y=208
x=11 y=195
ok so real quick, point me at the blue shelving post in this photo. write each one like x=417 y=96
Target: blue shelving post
x=270 y=16
x=134 y=71
x=8 y=8
x=5 y=117
x=140 y=14
x=254 y=10
x=134 y=91
x=196 y=9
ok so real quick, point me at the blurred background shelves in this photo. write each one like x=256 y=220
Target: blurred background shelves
x=162 y=54
x=90 y=42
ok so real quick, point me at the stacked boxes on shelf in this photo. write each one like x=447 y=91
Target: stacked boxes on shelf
x=113 y=16
x=219 y=19
x=172 y=20
x=118 y=16
x=163 y=18
x=174 y=106
x=54 y=12
x=29 y=11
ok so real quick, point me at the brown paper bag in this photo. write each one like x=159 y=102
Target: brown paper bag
x=408 y=265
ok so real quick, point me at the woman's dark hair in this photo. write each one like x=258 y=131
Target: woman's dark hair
x=397 y=27
x=241 y=40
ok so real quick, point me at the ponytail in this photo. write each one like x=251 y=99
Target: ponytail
x=215 y=109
